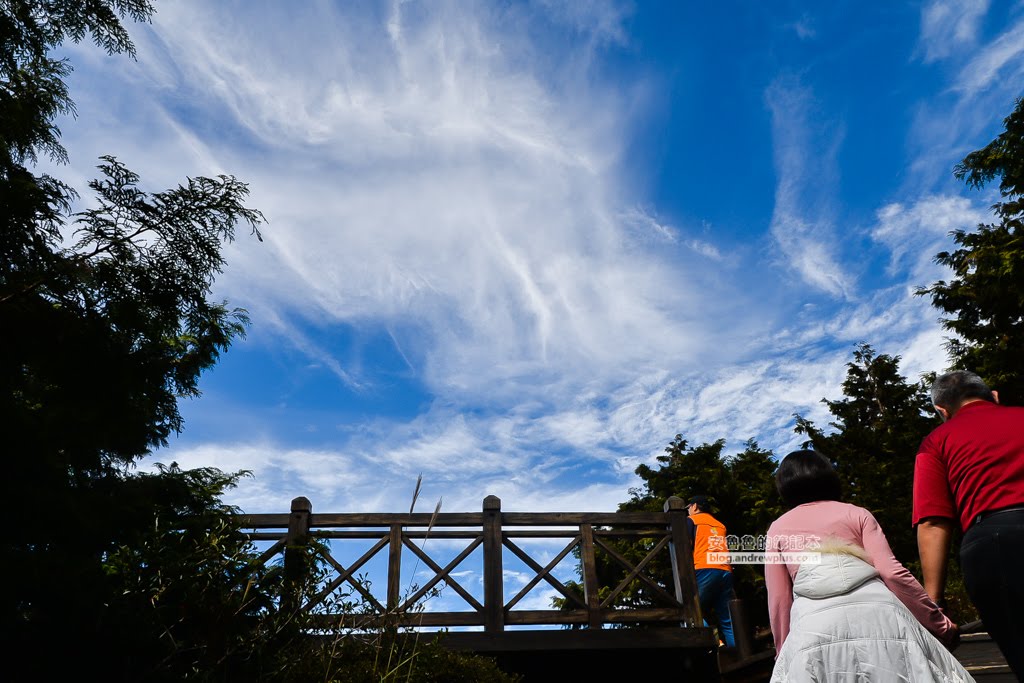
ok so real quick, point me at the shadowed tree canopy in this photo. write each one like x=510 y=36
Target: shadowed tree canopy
x=742 y=489
x=876 y=429
x=108 y=322
x=984 y=300
x=741 y=485
x=871 y=441
x=108 y=328
x=32 y=88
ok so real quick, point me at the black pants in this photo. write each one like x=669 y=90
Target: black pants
x=992 y=559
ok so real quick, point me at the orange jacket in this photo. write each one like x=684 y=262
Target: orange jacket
x=708 y=538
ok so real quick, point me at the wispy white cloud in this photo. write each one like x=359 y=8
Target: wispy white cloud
x=804 y=28
x=646 y=227
x=919 y=231
x=805 y=148
x=601 y=19
x=960 y=119
x=949 y=26
x=1001 y=59
x=471 y=204
x=280 y=474
x=440 y=177
x=641 y=221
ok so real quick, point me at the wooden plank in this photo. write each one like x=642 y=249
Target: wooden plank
x=567 y=532
x=654 y=532
x=264 y=535
x=590 y=584
x=273 y=521
x=547 y=617
x=581 y=639
x=409 y=533
x=982 y=658
x=415 y=519
x=647 y=615
x=410 y=620
x=374 y=532
x=457 y=519
x=270 y=552
x=617 y=519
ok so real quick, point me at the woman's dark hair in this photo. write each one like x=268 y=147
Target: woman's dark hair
x=806 y=476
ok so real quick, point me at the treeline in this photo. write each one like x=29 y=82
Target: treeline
x=879 y=422
x=872 y=440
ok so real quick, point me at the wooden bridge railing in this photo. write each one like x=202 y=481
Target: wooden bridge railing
x=499 y=535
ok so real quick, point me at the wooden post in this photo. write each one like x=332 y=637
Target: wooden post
x=681 y=549
x=394 y=568
x=494 y=594
x=742 y=629
x=296 y=557
x=590 y=583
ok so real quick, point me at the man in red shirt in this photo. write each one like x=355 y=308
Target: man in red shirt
x=970 y=470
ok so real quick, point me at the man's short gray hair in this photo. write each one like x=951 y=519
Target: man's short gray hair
x=953 y=388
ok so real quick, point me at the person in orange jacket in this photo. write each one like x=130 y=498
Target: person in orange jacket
x=714 y=577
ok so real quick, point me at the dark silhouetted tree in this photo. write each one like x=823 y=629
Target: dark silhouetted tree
x=876 y=429
x=107 y=323
x=742 y=488
x=984 y=300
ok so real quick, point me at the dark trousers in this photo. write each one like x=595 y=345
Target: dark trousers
x=715 y=591
x=992 y=559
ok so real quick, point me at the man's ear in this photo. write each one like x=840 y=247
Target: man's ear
x=943 y=413
x=995 y=397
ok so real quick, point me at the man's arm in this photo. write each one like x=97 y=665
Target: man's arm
x=934 y=536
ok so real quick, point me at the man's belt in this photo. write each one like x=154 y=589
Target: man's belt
x=989 y=513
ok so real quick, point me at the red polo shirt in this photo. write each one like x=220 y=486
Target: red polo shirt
x=970 y=464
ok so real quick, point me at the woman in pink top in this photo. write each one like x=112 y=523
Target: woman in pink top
x=838 y=600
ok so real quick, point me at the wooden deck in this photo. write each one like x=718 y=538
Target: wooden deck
x=977 y=652
x=754 y=668
x=982 y=658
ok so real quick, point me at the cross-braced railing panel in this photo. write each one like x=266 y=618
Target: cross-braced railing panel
x=469 y=555
x=543 y=573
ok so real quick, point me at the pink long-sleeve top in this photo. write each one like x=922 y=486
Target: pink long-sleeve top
x=799 y=529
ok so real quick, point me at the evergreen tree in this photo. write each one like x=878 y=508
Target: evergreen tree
x=107 y=323
x=984 y=300
x=742 y=486
x=877 y=427
x=745 y=499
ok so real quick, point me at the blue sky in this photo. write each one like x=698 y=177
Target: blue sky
x=516 y=247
